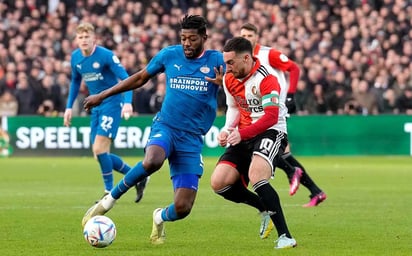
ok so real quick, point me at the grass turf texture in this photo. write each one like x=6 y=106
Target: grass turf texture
x=42 y=201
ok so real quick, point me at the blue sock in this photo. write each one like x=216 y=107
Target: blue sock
x=134 y=175
x=106 y=167
x=119 y=165
x=169 y=214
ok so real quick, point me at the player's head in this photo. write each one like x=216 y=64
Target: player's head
x=193 y=35
x=238 y=56
x=85 y=37
x=250 y=32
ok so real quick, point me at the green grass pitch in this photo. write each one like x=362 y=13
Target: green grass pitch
x=368 y=210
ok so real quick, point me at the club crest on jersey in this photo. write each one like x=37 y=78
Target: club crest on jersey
x=205 y=69
x=283 y=58
x=254 y=90
x=96 y=65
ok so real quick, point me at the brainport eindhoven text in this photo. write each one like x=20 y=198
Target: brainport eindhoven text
x=188 y=84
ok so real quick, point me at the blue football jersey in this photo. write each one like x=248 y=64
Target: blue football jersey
x=190 y=101
x=101 y=70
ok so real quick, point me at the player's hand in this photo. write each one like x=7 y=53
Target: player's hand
x=222 y=138
x=92 y=101
x=219 y=76
x=127 y=111
x=234 y=137
x=290 y=103
x=67 y=118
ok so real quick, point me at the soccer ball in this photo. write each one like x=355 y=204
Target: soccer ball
x=99 y=231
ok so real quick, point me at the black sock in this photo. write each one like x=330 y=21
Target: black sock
x=286 y=167
x=271 y=200
x=238 y=193
x=305 y=180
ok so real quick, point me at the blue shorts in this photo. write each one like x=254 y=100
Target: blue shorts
x=183 y=149
x=186 y=180
x=105 y=121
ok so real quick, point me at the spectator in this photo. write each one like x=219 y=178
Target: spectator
x=25 y=96
x=8 y=104
x=366 y=99
x=404 y=101
x=336 y=101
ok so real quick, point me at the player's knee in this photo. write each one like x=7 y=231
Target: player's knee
x=183 y=208
x=217 y=184
x=152 y=163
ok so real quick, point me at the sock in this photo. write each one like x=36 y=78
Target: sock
x=169 y=213
x=305 y=180
x=238 y=193
x=158 y=217
x=286 y=166
x=106 y=167
x=108 y=202
x=271 y=200
x=119 y=165
x=134 y=175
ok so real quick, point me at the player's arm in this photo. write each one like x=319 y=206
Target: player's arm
x=135 y=81
x=73 y=92
x=117 y=68
x=280 y=61
x=232 y=117
x=270 y=89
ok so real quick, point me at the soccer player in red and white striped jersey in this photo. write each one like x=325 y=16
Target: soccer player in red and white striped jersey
x=281 y=64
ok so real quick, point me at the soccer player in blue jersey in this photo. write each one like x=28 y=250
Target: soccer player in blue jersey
x=100 y=69
x=187 y=113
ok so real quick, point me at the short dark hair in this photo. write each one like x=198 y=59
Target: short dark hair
x=250 y=26
x=238 y=45
x=194 y=22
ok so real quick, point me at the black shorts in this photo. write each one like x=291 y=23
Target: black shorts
x=269 y=145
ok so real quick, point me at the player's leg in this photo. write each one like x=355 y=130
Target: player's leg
x=294 y=173
x=260 y=170
x=101 y=148
x=155 y=154
x=104 y=125
x=227 y=182
x=154 y=158
x=185 y=187
x=316 y=194
x=120 y=166
x=186 y=168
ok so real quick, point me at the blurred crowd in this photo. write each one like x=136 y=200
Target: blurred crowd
x=355 y=55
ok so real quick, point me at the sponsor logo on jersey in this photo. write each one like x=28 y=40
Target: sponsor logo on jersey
x=188 y=83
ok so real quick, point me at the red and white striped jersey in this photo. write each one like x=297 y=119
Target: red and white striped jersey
x=250 y=97
x=279 y=63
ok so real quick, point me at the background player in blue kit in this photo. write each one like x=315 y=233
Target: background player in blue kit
x=187 y=113
x=100 y=69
